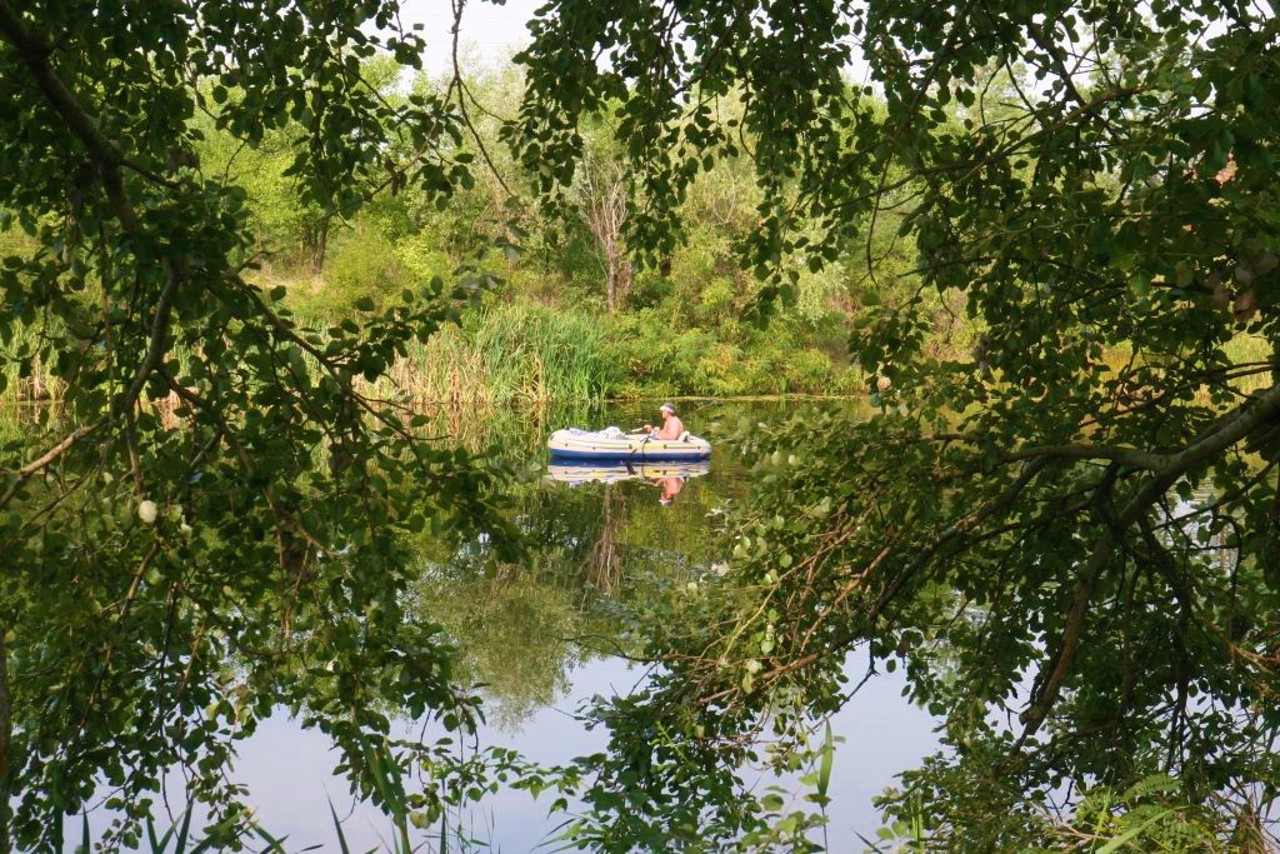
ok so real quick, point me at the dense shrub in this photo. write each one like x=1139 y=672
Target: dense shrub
x=656 y=359
x=363 y=263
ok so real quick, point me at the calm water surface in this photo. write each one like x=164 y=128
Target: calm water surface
x=536 y=636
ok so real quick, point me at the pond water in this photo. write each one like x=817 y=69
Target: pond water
x=536 y=636
x=289 y=770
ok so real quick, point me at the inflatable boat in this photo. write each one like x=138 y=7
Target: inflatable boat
x=612 y=471
x=612 y=444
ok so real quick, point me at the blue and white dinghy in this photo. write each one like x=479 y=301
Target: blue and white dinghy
x=578 y=472
x=613 y=444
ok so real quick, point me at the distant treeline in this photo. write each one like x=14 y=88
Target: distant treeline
x=574 y=314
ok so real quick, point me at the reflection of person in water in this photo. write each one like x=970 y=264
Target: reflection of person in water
x=671 y=487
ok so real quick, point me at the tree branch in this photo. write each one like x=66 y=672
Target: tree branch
x=1073 y=626
x=1224 y=433
x=458 y=83
x=25 y=473
x=1131 y=457
x=1221 y=435
x=34 y=54
x=156 y=345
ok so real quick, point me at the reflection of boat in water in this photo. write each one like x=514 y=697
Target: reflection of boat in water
x=604 y=472
x=613 y=444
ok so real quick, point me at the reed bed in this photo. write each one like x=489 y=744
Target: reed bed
x=512 y=354
x=509 y=355
x=35 y=381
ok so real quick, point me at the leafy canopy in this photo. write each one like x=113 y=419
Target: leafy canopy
x=210 y=523
x=1070 y=540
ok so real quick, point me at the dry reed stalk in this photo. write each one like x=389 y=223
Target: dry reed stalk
x=538 y=390
x=455 y=383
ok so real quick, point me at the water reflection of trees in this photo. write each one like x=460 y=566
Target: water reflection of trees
x=604 y=563
x=522 y=627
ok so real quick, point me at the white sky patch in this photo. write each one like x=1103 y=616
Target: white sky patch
x=490 y=33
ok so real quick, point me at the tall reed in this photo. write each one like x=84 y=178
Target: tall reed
x=21 y=355
x=510 y=354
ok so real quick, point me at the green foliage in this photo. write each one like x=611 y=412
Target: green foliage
x=1066 y=535
x=1150 y=815
x=232 y=832
x=175 y=573
x=422 y=260
x=1062 y=520
x=657 y=358
x=362 y=264
x=331 y=253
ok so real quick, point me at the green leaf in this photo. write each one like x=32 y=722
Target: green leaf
x=828 y=757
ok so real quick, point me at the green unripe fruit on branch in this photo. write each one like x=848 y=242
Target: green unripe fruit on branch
x=147 y=511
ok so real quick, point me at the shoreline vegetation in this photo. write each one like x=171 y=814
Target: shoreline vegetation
x=528 y=353
x=531 y=354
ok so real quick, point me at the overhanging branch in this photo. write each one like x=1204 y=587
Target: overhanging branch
x=32 y=468
x=34 y=54
x=1224 y=433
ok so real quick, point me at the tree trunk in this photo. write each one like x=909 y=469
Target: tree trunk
x=611 y=278
x=619 y=273
x=321 y=244
x=604 y=200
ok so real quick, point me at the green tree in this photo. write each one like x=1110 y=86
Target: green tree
x=293 y=219
x=1072 y=544
x=192 y=542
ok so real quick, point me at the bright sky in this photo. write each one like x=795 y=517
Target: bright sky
x=492 y=32
x=489 y=30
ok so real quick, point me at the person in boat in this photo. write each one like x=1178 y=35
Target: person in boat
x=672 y=427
